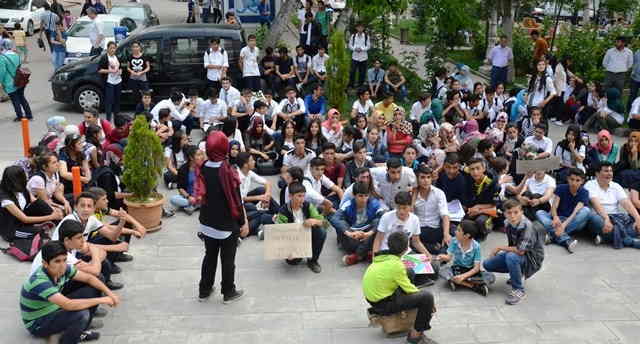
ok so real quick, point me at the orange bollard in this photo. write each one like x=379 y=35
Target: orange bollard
x=26 y=139
x=77 y=184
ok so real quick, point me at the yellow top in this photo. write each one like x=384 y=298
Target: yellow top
x=20 y=38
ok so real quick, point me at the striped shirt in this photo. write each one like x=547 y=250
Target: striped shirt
x=36 y=291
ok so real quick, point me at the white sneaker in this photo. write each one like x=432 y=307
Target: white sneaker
x=558 y=122
x=597 y=240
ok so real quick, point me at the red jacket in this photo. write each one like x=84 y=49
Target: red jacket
x=397 y=140
x=106 y=127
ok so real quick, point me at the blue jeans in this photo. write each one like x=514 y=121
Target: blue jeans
x=20 y=103
x=507 y=262
x=57 y=58
x=499 y=75
x=112 y=99
x=576 y=225
x=401 y=94
x=596 y=224
x=137 y=87
x=179 y=201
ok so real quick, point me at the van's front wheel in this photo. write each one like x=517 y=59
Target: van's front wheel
x=87 y=96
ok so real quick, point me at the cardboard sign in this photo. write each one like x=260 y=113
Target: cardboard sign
x=547 y=164
x=289 y=240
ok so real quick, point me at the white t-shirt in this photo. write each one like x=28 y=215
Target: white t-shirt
x=431 y=209
x=311 y=195
x=92 y=225
x=609 y=198
x=213 y=113
x=291 y=159
x=250 y=61
x=37 y=261
x=390 y=223
x=37 y=182
x=22 y=202
x=417 y=110
x=366 y=109
x=215 y=58
x=318 y=184
x=168 y=153
x=539 y=187
x=95 y=30
x=247 y=181
x=114 y=78
x=386 y=188
x=545 y=144
x=230 y=96
x=176 y=112
x=319 y=63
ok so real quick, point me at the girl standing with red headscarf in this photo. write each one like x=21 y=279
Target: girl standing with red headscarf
x=222 y=217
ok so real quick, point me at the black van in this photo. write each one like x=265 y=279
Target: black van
x=176 y=54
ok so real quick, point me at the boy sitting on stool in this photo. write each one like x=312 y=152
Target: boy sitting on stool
x=389 y=290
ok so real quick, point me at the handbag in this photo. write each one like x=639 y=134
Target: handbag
x=22 y=75
x=41 y=44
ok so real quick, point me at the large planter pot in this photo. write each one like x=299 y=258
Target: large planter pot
x=149 y=214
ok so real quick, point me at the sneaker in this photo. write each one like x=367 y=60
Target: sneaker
x=239 y=241
x=115 y=269
x=515 y=297
x=87 y=336
x=558 y=122
x=123 y=258
x=17 y=119
x=95 y=325
x=235 y=296
x=261 y=234
x=314 y=266
x=189 y=210
x=597 y=240
x=350 y=259
x=168 y=212
x=100 y=313
x=547 y=239
x=415 y=340
x=571 y=246
x=427 y=340
x=425 y=283
x=114 y=285
x=481 y=289
x=452 y=286
x=204 y=296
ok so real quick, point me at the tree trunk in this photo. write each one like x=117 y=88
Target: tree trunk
x=492 y=33
x=281 y=22
x=586 y=19
x=508 y=16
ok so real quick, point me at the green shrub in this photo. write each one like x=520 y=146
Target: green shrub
x=478 y=45
x=522 y=50
x=338 y=67
x=144 y=160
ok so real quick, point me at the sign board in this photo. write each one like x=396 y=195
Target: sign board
x=290 y=240
x=547 y=164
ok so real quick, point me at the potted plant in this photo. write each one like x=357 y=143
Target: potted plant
x=143 y=161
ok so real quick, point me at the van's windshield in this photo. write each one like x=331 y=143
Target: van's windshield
x=14 y=4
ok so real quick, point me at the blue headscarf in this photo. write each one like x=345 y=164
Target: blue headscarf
x=513 y=116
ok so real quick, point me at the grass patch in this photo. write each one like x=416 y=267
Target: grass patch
x=465 y=57
x=410 y=24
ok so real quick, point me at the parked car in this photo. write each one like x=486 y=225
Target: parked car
x=25 y=12
x=176 y=53
x=78 y=43
x=142 y=14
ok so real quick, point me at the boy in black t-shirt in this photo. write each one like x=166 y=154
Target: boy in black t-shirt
x=484 y=193
x=285 y=72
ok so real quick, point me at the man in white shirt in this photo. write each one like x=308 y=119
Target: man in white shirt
x=96 y=36
x=400 y=220
x=543 y=144
x=178 y=107
x=249 y=64
x=229 y=94
x=606 y=220
x=319 y=180
x=420 y=107
x=499 y=57
x=302 y=67
x=319 y=65
x=216 y=62
x=359 y=44
x=617 y=62
x=300 y=156
x=213 y=111
x=292 y=108
x=391 y=179
x=430 y=206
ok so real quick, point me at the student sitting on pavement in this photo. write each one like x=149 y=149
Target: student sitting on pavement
x=322 y=184
x=295 y=175
x=186 y=180
x=362 y=175
x=102 y=235
x=605 y=219
x=359 y=161
x=48 y=310
x=102 y=210
x=356 y=223
x=535 y=192
x=392 y=179
x=569 y=212
x=430 y=205
x=388 y=288
x=484 y=192
x=297 y=210
x=464 y=253
x=523 y=255
x=258 y=204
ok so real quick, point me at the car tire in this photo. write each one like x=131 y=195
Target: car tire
x=86 y=96
x=30 y=28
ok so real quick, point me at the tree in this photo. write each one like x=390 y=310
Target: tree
x=338 y=67
x=281 y=22
x=377 y=14
x=144 y=160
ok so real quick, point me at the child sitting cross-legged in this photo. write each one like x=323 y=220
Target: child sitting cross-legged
x=464 y=253
x=102 y=210
x=185 y=199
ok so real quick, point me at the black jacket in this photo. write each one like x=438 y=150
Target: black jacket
x=215 y=211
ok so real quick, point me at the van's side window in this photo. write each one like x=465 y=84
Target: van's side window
x=188 y=50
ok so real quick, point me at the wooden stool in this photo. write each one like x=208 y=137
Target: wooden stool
x=394 y=324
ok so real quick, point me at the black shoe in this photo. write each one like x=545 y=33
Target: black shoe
x=426 y=283
x=123 y=258
x=481 y=289
x=115 y=269
x=114 y=285
x=167 y=212
x=30 y=118
x=314 y=266
x=204 y=296
x=17 y=119
x=235 y=296
x=294 y=261
x=87 y=336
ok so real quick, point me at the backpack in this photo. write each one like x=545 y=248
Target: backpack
x=366 y=38
x=105 y=178
x=25 y=249
x=22 y=75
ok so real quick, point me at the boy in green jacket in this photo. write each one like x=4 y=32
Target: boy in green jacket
x=388 y=290
x=299 y=211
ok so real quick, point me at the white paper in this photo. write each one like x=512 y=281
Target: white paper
x=456 y=212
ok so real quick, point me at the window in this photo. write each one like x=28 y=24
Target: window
x=188 y=50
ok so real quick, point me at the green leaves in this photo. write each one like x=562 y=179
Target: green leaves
x=143 y=160
x=338 y=67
